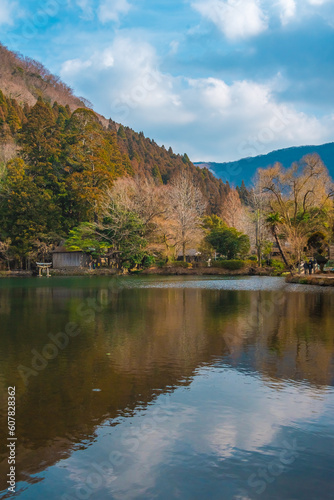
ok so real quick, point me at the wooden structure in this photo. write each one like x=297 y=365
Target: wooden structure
x=63 y=259
x=192 y=255
x=43 y=265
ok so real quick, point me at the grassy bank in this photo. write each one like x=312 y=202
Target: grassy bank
x=317 y=279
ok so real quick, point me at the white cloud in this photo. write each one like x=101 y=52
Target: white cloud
x=318 y=2
x=128 y=83
x=240 y=19
x=245 y=119
x=206 y=117
x=75 y=66
x=288 y=10
x=7 y=9
x=235 y=18
x=110 y=10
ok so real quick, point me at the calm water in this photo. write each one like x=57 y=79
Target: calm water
x=168 y=388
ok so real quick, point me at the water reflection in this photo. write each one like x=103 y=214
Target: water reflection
x=265 y=351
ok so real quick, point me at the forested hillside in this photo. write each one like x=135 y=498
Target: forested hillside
x=58 y=158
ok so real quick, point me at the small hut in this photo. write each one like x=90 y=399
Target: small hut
x=64 y=259
x=192 y=255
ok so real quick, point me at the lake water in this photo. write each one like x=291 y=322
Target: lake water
x=168 y=388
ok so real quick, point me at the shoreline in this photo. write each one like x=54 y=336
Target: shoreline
x=316 y=279
x=169 y=271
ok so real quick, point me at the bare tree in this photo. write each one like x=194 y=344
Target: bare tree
x=260 y=232
x=298 y=201
x=141 y=196
x=186 y=205
x=233 y=212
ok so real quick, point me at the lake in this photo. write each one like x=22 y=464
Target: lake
x=164 y=388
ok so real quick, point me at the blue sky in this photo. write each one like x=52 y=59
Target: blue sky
x=218 y=79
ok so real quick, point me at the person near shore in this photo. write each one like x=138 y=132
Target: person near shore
x=311 y=266
x=306 y=267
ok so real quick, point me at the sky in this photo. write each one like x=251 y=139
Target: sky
x=219 y=80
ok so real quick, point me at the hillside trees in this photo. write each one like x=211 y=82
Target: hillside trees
x=41 y=146
x=26 y=211
x=69 y=161
x=148 y=158
x=93 y=161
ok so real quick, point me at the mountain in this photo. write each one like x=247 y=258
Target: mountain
x=235 y=172
x=24 y=83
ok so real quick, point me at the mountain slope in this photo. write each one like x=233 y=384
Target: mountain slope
x=244 y=170
x=25 y=83
x=23 y=79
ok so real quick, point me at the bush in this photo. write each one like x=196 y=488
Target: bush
x=231 y=265
x=148 y=261
x=253 y=258
x=278 y=265
x=179 y=263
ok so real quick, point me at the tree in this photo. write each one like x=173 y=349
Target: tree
x=6 y=251
x=274 y=222
x=229 y=242
x=233 y=212
x=260 y=232
x=298 y=202
x=140 y=195
x=84 y=238
x=26 y=211
x=123 y=231
x=157 y=174
x=210 y=222
x=93 y=163
x=318 y=245
x=243 y=193
x=186 y=205
x=318 y=242
x=40 y=142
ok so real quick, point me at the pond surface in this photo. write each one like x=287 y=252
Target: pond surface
x=168 y=388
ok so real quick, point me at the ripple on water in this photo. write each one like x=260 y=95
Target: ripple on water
x=246 y=283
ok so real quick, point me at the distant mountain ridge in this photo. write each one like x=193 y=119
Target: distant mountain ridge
x=235 y=172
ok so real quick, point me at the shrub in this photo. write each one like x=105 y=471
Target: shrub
x=253 y=258
x=180 y=263
x=148 y=261
x=231 y=265
x=278 y=265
